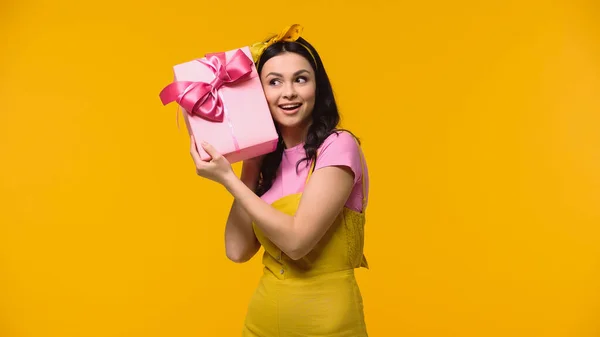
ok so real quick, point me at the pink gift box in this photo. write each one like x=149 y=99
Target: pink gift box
x=224 y=104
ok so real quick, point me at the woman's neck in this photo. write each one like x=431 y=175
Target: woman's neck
x=293 y=136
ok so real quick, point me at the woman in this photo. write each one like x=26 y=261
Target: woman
x=304 y=202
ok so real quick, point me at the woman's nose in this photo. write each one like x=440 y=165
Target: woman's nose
x=289 y=92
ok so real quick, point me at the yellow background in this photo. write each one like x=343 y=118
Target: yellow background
x=480 y=121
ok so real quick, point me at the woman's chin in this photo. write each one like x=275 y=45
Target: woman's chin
x=287 y=121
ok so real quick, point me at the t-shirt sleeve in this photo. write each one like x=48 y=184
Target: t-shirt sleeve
x=340 y=149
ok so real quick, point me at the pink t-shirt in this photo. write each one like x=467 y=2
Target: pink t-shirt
x=337 y=150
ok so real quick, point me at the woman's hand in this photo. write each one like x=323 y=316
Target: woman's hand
x=218 y=169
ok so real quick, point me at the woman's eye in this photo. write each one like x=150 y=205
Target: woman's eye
x=274 y=82
x=302 y=79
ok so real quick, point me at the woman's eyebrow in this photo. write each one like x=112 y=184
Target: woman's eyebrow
x=301 y=71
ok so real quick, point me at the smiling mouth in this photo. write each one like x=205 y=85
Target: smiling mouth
x=290 y=107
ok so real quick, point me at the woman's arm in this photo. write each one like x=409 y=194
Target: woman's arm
x=323 y=198
x=240 y=242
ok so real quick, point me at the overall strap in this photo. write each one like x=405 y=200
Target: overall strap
x=362 y=178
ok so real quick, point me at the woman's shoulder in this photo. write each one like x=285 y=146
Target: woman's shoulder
x=341 y=148
x=340 y=140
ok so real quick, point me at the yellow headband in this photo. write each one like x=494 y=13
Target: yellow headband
x=289 y=34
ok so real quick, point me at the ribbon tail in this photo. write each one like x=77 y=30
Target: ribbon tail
x=171 y=92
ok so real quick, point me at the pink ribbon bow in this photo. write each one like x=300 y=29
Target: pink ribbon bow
x=202 y=99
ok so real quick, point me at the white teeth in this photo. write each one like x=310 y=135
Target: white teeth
x=290 y=106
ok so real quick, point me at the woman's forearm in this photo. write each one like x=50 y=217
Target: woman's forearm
x=240 y=242
x=276 y=225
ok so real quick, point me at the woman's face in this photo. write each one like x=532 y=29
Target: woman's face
x=290 y=88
